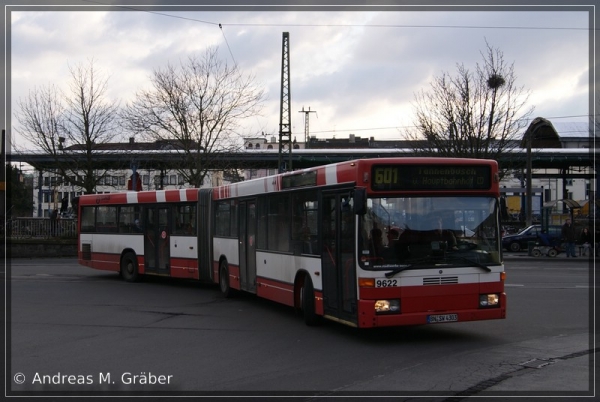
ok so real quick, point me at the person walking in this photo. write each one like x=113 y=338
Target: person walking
x=568 y=237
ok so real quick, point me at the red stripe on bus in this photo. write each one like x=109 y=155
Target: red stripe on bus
x=147 y=197
x=172 y=196
x=105 y=262
x=280 y=292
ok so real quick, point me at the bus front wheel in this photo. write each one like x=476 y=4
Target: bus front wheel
x=129 y=268
x=307 y=294
x=224 y=280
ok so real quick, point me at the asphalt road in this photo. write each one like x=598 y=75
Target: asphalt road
x=74 y=331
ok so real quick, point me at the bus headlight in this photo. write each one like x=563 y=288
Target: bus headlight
x=489 y=300
x=387 y=306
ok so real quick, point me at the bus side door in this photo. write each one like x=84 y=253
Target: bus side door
x=156 y=239
x=247 y=239
x=337 y=258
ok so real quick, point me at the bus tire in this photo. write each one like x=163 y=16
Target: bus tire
x=226 y=290
x=129 y=267
x=308 y=302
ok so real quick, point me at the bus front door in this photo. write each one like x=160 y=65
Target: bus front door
x=337 y=259
x=156 y=240
x=247 y=250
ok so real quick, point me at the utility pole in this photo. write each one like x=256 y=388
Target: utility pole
x=306 y=117
x=285 y=128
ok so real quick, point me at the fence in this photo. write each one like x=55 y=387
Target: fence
x=40 y=228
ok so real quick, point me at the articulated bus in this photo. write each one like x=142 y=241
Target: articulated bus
x=367 y=243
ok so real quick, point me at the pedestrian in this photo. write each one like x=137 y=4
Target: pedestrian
x=568 y=237
x=585 y=240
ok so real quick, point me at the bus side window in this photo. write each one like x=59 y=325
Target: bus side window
x=88 y=219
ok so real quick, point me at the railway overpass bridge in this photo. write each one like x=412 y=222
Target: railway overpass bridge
x=568 y=160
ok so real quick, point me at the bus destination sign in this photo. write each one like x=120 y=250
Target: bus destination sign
x=430 y=177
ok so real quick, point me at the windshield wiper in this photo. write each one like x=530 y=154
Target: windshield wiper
x=397 y=270
x=465 y=259
x=437 y=262
x=411 y=263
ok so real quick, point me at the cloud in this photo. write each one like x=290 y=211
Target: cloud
x=359 y=70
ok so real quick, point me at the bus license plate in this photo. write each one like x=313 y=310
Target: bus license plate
x=433 y=319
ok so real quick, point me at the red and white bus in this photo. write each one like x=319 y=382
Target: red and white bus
x=368 y=243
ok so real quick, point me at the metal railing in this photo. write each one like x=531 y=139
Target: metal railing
x=40 y=228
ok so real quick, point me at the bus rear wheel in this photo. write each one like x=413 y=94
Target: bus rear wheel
x=129 y=268
x=307 y=301
x=224 y=280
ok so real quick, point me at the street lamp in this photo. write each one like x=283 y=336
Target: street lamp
x=529 y=206
x=543 y=133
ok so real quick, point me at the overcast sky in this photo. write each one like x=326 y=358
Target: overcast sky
x=358 y=70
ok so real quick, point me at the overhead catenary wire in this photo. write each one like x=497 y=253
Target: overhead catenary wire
x=350 y=25
x=227 y=43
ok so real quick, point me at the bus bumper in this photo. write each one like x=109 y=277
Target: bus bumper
x=369 y=319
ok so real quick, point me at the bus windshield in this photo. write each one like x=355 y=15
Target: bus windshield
x=429 y=232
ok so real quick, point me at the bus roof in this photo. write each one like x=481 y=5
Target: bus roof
x=141 y=197
x=354 y=171
x=349 y=172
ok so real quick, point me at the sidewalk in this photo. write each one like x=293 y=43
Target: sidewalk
x=564 y=376
x=557 y=366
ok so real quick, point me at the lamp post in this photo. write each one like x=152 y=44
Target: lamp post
x=528 y=197
x=542 y=134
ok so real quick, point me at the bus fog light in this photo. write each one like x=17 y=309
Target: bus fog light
x=387 y=306
x=489 y=300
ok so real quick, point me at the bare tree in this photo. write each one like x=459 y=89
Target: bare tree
x=71 y=126
x=195 y=109
x=476 y=115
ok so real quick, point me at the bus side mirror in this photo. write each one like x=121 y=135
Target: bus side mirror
x=360 y=201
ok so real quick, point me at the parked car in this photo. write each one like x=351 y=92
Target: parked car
x=519 y=241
